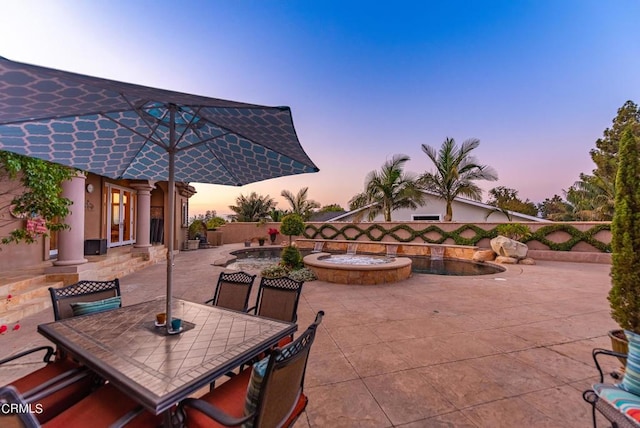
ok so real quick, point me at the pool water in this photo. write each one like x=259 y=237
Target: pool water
x=452 y=267
x=254 y=259
x=356 y=260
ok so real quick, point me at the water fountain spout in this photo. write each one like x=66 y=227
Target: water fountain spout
x=317 y=247
x=437 y=252
x=352 y=248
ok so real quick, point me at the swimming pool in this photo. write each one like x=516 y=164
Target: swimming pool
x=259 y=258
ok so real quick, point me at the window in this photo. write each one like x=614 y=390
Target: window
x=185 y=214
x=426 y=217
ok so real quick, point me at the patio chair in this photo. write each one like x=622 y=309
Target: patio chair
x=9 y=395
x=278 y=299
x=620 y=407
x=85 y=297
x=233 y=290
x=268 y=395
x=54 y=387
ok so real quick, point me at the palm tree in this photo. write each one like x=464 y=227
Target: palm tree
x=456 y=171
x=300 y=204
x=276 y=215
x=389 y=189
x=252 y=208
x=592 y=197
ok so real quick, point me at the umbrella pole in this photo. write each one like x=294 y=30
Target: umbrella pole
x=172 y=211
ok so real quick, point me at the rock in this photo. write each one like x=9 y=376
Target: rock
x=504 y=246
x=527 y=261
x=483 y=256
x=506 y=260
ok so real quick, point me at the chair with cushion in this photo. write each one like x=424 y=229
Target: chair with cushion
x=85 y=297
x=54 y=387
x=614 y=401
x=270 y=394
x=278 y=299
x=233 y=290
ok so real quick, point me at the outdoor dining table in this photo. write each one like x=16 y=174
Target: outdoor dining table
x=158 y=369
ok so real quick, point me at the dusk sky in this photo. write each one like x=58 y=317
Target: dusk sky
x=537 y=81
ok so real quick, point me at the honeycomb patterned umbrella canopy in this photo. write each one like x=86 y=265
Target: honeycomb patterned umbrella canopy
x=121 y=130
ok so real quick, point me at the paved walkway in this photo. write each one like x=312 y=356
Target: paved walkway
x=505 y=350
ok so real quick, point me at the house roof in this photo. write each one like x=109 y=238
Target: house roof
x=458 y=199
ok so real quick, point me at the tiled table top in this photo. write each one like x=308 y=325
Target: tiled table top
x=158 y=369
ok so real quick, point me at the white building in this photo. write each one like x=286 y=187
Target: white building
x=464 y=211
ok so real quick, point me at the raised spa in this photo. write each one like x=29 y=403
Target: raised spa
x=358 y=269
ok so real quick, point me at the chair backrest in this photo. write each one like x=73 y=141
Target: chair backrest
x=283 y=381
x=82 y=291
x=16 y=412
x=278 y=298
x=233 y=290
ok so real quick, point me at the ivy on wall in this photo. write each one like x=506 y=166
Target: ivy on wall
x=376 y=233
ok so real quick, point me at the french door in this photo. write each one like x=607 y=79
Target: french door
x=120 y=215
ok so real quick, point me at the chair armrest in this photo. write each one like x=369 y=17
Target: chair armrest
x=46 y=359
x=600 y=351
x=55 y=384
x=213 y=412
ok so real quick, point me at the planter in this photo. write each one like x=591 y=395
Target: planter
x=261 y=242
x=619 y=343
x=247 y=243
x=193 y=244
x=273 y=239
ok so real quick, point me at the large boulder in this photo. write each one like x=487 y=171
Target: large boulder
x=484 y=256
x=507 y=247
x=504 y=260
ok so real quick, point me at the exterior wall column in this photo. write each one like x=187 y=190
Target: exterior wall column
x=71 y=241
x=143 y=218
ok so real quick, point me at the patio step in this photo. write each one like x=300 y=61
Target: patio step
x=117 y=266
x=28 y=296
x=29 y=288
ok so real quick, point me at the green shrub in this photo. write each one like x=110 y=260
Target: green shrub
x=274 y=271
x=215 y=222
x=292 y=225
x=291 y=257
x=515 y=231
x=197 y=229
x=304 y=274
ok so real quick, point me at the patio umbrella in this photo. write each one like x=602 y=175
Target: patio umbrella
x=126 y=131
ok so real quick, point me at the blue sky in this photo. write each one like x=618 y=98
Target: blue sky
x=537 y=81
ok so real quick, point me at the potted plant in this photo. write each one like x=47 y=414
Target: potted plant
x=625 y=242
x=273 y=232
x=261 y=240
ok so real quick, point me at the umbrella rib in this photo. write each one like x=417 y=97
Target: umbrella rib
x=193 y=117
x=146 y=137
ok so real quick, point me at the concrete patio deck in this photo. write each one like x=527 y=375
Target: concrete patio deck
x=505 y=350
